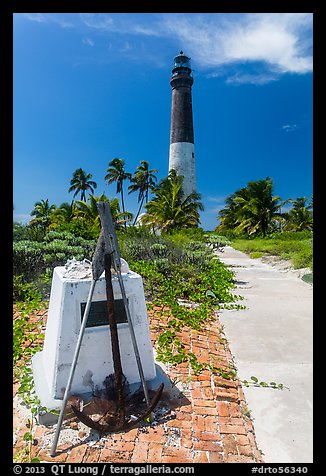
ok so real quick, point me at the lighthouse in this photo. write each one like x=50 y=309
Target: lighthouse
x=182 y=151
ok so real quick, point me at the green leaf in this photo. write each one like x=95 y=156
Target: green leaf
x=263 y=384
x=28 y=436
x=210 y=293
x=254 y=379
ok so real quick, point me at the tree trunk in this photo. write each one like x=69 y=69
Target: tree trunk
x=141 y=204
x=123 y=203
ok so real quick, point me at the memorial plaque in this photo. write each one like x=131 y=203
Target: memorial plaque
x=98 y=313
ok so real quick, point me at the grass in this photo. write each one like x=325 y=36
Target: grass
x=296 y=247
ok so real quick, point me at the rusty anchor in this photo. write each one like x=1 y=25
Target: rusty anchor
x=116 y=419
x=120 y=417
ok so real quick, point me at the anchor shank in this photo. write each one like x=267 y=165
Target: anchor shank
x=114 y=335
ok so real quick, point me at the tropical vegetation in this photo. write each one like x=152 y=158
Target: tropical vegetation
x=170 y=208
x=116 y=174
x=142 y=182
x=81 y=182
x=254 y=211
x=184 y=281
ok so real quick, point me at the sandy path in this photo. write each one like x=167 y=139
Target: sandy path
x=272 y=340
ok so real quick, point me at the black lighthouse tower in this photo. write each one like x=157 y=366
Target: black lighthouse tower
x=182 y=152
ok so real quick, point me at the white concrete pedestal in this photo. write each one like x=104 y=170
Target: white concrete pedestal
x=52 y=365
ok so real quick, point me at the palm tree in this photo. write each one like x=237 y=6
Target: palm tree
x=42 y=212
x=252 y=209
x=81 y=182
x=66 y=212
x=90 y=211
x=229 y=215
x=116 y=173
x=142 y=181
x=300 y=217
x=170 y=208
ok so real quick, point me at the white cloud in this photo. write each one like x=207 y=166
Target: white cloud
x=97 y=21
x=280 y=40
x=243 y=78
x=58 y=19
x=218 y=199
x=37 y=17
x=88 y=41
x=289 y=127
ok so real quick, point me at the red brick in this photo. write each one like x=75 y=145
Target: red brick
x=155 y=453
x=207 y=393
x=187 y=408
x=229 y=444
x=203 y=436
x=140 y=453
x=177 y=451
x=152 y=437
x=186 y=442
x=223 y=409
x=251 y=438
x=224 y=420
x=206 y=411
x=119 y=445
x=77 y=454
x=92 y=455
x=207 y=446
x=64 y=447
x=176 y=459
x=183 y=416
x=234 y=429
x=210 y=423
x=176 y=423
x=237 y=421
x=200 y=457
x=196 y=393
x=235 y=410
x=242 y=440
x=224 y=395
x=198 y=422
x=45 y=456
x=204 y=403
x=215 y=457
x=131 y=435
x=245 y=450
x=239 y=459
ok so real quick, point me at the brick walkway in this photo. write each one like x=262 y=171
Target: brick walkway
x=205 y=423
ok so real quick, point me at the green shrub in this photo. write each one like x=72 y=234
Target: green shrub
x=23 y=291
x=216 y=240
x=256 y=254
x=294 y=246
x=28 y=259
x=28 y=232
x=31 y=259
x=303 y=259
x=80 y=228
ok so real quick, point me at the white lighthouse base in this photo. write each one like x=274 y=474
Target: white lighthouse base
x=182 y=160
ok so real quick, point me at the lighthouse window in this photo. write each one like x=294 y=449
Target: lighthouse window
x=193 y=155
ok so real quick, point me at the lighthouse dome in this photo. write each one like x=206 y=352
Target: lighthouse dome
x=181 y=60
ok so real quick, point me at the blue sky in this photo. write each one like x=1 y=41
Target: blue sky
x=91 y=87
